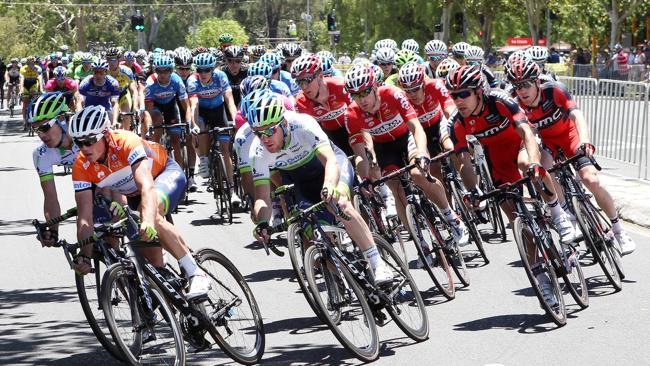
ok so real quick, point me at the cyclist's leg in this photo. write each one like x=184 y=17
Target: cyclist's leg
x=126 y=106
x=175 y=137
x=156 y=121
x=225 y=150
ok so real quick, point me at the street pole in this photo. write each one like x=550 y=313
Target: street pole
x=308 y=27
x=193 y=22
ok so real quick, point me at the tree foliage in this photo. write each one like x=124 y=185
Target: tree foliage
x=208 y=31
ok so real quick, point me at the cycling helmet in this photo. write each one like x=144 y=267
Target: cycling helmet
x=259 y=50
x=47 y=106
x=309 y=64
x=326 y=65
x=385 y=56
x=518 y=55
x=410 y=75
x=100 y=64
x=404 y=56
x=325 y=55
x=260 y=68
x=205 y=60
x=91 y=120
x=272 y=59
x=522 y=69
x=264 y=108
x=183 y=58
x=361 y=61
x=233 y=52
x=129 y=55
x=142 y=53
x=291 y=50
x=59 y=73
x=386 y=43
x=199 y=50
x=474 y=54
x=225 y=38
x=113 y=52
x=379 y=75
x=458 y=49
x=445 y=67
x=163 y=62
x=30 y=59
x=252 y=83
x=359 y=78
x=411 y=45
x=65 y=60
x=86 y=57
x=464 y=77
x=538 y=54
x=14 y=60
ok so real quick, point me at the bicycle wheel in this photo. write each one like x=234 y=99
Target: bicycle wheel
x=574 y=278
x=88 y=289
x=596 y=239
x=145 y=339
x=297 y=249
x=236 y=324
x=425 y=235
x=524 y=238
x=614 y=248
x=470 y=220
x=220 y=187
x=493 y=209
x=355 y=328
x=407 y=307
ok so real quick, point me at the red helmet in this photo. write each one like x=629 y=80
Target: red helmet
x=411 y=75
x=308 y=64
x=522 y=69
x=359 y=78
x=465 y=77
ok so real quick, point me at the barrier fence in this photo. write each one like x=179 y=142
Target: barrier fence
x=618 y=114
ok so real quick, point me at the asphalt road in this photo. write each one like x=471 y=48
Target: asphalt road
x=496 y=320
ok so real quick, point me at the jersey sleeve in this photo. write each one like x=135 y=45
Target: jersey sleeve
x=181 y=92
x=317 y=135
x=132 y=148
x=115 y=86
x=260 y=164
x=442 y=95
x=405 y=108
x=354 y=124
x=510 y=108
x=223 y=80
x=42 y=163
x=50 y=85
x=191 y=86
x=458 y=133
x=148 y=92
x=563 y=98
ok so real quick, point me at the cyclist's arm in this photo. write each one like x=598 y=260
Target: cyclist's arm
x=194 y=107
x=418 y=134
x=144 y=182
x=359 y=149
x=84 y=201
x=189 y=114
x=51 y=205
x=262 y=207
x=116 y=109
x=134 y=94
x=526 y=134
x=326 y=156
x=581 y=125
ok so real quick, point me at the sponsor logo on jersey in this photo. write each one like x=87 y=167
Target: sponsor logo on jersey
x=387 y=126
x=136 y=154
x=101 y=174
x=548 y=121
x=85 y=165
x=492 y=131
x=81 y=185
x=113 y=157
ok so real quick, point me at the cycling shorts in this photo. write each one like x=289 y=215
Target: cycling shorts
x=433 y=139
x=169 y=113
x=30 y=86
x=13 y=80
x=210 y=118
x=502 y=162
x=569 y=143
x=393 y=155
x=169 y=185
x=341 y=139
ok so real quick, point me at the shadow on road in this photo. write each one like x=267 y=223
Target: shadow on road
x=11 y=299
x=523 y=323
x=295 y=326
x=270 y=275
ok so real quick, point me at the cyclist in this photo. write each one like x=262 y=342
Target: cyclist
x=12 y=75
x=293 y=144
x=458 y=52
x=382 y=120
x=101 y=89
x=385 y=59
x=539 y=54
x=3 y=70
x=163 y=87
x=234 y=71
x=550 y=108
x=183 y=61
x=273 y=59
x=125 y=163
x=128 y=100
x=85 y=69
x=445 y=67
x=31 y=82
x=413 y=46
x=211 y=95
x=262 y=68
x=325 y=99
x=257 y=52
x=290 y=52
x=327 y=60
x=401 y=58
x=436 y=51
x=61 y=83
x=225 y=40
x=475 y=56
x=130 y=62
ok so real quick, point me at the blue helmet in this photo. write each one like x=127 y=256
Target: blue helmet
x=163 y=62
x=272 y=59
x=252 y=83
x=205 y=60
x=260 y=68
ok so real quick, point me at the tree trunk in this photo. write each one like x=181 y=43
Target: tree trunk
x=486 y=40
x=549 y=28
x=155 y=24
x=445 y=20
x=614 y=20
x=80 y=29
x=533 y=20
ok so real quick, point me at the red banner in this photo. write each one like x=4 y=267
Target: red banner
x=525 y=41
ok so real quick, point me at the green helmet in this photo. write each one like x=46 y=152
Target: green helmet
x=404 y=56
x=47 y=106
x=226 y=38
x=264 y=108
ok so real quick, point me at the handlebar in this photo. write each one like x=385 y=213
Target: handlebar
x=407 y=168
x=562 y=164
x=218 y=130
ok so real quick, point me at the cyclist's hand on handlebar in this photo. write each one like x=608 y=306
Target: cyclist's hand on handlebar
x=148 y=232
x=588 y=149
x=49 y=238
x=329 y=193
x=195 y=130
x=117 y=211
x=423 y=162
x=82 y=264
x=260 y=232
x=536 y=171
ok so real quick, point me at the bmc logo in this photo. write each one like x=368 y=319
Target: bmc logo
x=548 y=121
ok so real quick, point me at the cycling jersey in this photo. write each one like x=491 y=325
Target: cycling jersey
x=125 y=149
x=135 y=68
x=13 y=71
x=391 y=79
x=30 y=73
x=243 y=141
x=489 y=77
x=436 y=98
x=388 y=124
x=80 y=73
x=164 y=94
x=99 y=94
x=53 y=86
x=46 y=158
x=331 y=116
x=124 y=77
x=430 y=72
x=235 y=80
x=336 y=73
x=286 y=78
x=211 y=95
x=495 y=128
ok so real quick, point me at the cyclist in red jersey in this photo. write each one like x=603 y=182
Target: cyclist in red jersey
x=323 y=98
x=382 y=120
x=551 y=109
x=64 y=84
x=502 y=128
x=430 y=99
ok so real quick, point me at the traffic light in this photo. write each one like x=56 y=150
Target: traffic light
x=331 y=21
x=137 y=23
x=437 y=27
x=337 y=38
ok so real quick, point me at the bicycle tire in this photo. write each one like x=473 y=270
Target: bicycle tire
x=493 y=209
x=596 y=240
x=575 y=281
x=366 y=352
x=614 y=248
x=296 y=251
x=470 y=222
x=439 y=271
x=87 y=285
x=419 y=331
x=221 y=189
x=232 y=323
x=558 y=313
x=163 y=315
x=452 y=251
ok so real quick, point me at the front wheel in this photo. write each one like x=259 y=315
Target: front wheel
x=296 y=245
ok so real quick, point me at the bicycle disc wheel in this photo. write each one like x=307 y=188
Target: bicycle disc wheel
x=407 y=308
x=355 y=328
x=236 y=324
x=424 y=235
x=144 y=338
x=88 y=289
x=296 y=251
x=596 y=239
x=524 y=238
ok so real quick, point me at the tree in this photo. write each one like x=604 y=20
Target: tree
x=208 y=31
x=618 y=11
x=534 y=11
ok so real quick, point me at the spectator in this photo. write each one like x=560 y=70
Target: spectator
x=639 y=57
x=554 y=57
x=581 y=57
x=618 y=63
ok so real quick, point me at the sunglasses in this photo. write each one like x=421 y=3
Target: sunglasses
x=204 y=71
x=412 y=90
x=233 y=61
x=99 y=71
x=462 y=95
x=111 y=60
x=305 y=81
x=164 y=71
x=266 y=132
x=385 y=64
x=87 y=141
x=473 y=63
x=523 y=85
x=360 y=95
x=46 y=126
x=436 y=58
x=184 y=68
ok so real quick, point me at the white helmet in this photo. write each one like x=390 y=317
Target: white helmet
x=385 y=56
x=474 y=54
x=411 y=45
x=436 y=47
x=538 y=54
x=386 y=43
x=445 y=67
x=458 y=49
x=89 y=121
